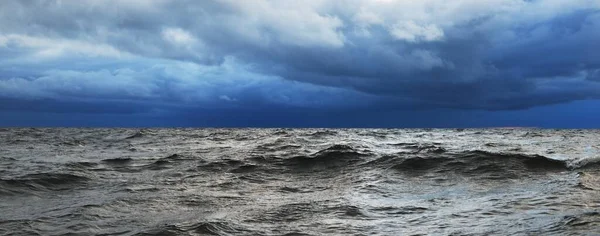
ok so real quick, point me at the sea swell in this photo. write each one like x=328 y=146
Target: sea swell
x=298 y=181
x=40 y=183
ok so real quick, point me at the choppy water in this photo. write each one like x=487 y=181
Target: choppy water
x=299 y=182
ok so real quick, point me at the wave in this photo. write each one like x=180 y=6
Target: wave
x=138 y=134
x=334 y=156
x=159 y=164
x=81 y=166
x=288 y=212
x=350 y=211
x=3 y=159
x=582 y=221
x=118 y=161
x=276 y=146
x=588 y=181
x=41 y=182
x=290 y=190
x=221 y=165
x=297 y=234
x=202 y=228
x=421 y=147
x=529 y=161
x=166 y=162
x=244 y=168
x=282 y=132
x=179 y=182
x=322 y=133
x=73 y=142
x=585 y=219
x=473 y=163
x=586 y=163
x=228 y=166
x=405 y=210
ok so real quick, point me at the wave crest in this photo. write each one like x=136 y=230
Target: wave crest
x=495 y=165
x=334 y=156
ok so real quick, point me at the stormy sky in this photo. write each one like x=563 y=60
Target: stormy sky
x=311 y=63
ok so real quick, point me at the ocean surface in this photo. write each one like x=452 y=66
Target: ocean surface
x=299 y=182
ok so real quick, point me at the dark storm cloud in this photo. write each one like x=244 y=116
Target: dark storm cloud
x=97 y=107
x=383 y=54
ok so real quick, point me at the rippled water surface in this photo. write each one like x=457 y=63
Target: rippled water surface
x=299 y=182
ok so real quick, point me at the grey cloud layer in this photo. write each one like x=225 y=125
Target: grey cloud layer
x=496 y=54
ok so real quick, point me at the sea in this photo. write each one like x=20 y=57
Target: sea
x=105 y=181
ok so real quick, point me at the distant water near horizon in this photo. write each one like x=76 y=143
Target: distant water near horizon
x=517 y=181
